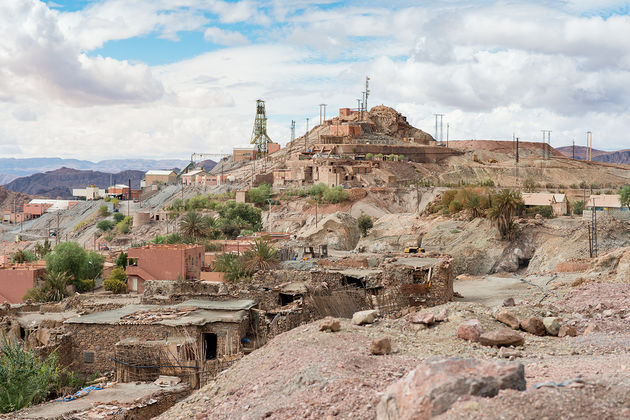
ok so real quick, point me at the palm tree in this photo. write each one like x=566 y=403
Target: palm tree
x=231 y=265
x=504 y=207
x=261 y=256
x=193 y=224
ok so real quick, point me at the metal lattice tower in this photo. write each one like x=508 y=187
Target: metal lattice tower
x=259 y=133
x=292 y=130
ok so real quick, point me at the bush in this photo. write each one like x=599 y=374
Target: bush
x=318 y=190
x=25 y=379
x=118 y=217
x=123 y=227
x=105 y=225
x=21 y=256
x=231 y=265
x=578 y=207
x=173 y=238
x=115 y=286
x=103 y=211
x=455 y=206
x=365 y=224
x=115 y=283
x=335 y=195
x=369 y=156
x=529 y=185
x=544 y=211
x=259 y=195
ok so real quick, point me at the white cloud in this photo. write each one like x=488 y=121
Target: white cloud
x=493 y=68
x=224 y=37
x=38 y=60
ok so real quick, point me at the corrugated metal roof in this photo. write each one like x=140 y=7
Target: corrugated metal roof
x=157 y=172
x=605 y=200
x=542 y=199
x=204 y=312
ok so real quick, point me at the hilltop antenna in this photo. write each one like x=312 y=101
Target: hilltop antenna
x=292 y=130
x=259 y=132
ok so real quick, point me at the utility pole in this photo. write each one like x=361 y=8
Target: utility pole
x=367 y=93
x=517 y=150
x=594 y=229
x=322 y=113
x=546 y=144
x=447 y=132
x=57 y=231
x=359 y=108
x=439 y=134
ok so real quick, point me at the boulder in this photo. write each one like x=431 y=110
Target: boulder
x=442 y=316
x=338 y=230
x=509 y=302
x=501 y=337
x=381 y=346
x=552 y=325
x=364 y=317
x=509 y=353
x=508 y=318
x=591 y=328
x=469 y=330
x=533 y=325
x=330 y=324
x=425 y=318
x=437 y=383
x=567 y=331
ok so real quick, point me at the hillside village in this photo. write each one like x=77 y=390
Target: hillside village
x=348 y=271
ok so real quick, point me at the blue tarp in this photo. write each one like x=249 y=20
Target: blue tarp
x=80 y=393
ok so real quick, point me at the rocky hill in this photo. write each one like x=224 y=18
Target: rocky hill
x=619 y=156
x=9 y=199
x=59 y=183
x=28 y=166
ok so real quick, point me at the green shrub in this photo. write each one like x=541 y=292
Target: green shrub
x=123 y=228
x=259 y=195
x=173 y=238
x=105 y=225
x=118 y=217
x=25 y=378
x=578 y=207
x=115 y=286
x=231 y=265
x=318 y=190
x=70 y=258
x=369 y=156
x=455 y=206
x=335 y=195
x=21 y=256
x=103 y=211
x=122 y=259
x=365 y=224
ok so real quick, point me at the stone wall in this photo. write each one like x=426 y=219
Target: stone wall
x=101 y=340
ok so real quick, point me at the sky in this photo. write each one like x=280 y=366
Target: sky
x=101 y=79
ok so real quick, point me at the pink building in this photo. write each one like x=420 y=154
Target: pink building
x=163 y=262
x=17 y=279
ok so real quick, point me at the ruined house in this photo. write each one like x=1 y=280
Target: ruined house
x=193 y=339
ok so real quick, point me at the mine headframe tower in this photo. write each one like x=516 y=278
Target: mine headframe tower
x=259 y=133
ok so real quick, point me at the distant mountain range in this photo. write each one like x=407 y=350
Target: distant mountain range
x=619 y=156
x=60 y=182
x=13 y=167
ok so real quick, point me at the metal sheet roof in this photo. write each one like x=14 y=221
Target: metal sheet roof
x=204 y=312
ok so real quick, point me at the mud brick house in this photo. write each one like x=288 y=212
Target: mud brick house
x=190 y=339
x=163 y=262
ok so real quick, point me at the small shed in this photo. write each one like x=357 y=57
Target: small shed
x=558 y=202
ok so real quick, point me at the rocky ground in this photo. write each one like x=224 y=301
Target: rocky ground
x=307 y=373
